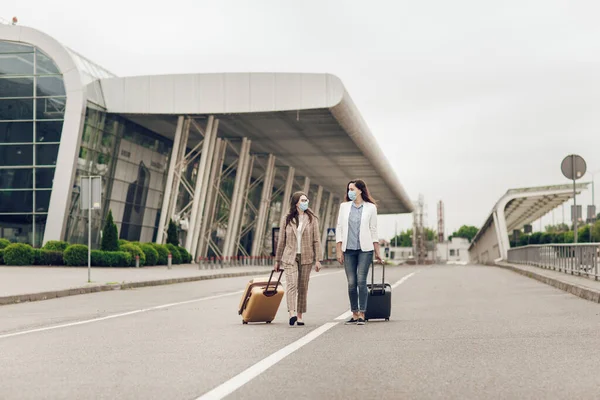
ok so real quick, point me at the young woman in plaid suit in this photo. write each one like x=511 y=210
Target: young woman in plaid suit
x=299 y=246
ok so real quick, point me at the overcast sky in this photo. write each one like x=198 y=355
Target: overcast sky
x=467 y=98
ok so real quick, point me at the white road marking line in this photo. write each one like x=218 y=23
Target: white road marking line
x=89 y=321
x=125 y=314
x=246 y=376
x=348 y=313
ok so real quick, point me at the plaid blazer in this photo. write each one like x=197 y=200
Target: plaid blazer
x=310 y=244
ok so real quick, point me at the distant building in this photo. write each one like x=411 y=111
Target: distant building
x=453 y=251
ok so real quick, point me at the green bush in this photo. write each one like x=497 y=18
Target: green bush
x=186 y=257
x=176 y=256
x=48 y=257
x=122 y=242
x=4 y=243
x=19 y=254
x=163 y=253
x=134 y=251
x=1 y=256
x=76 y=255
x=56 y=245
x=150 y=252
x=111 y=258
x=110 y=234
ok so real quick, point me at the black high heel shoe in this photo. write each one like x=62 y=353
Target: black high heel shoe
x=293 y=320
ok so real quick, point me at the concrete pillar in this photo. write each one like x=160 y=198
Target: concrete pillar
x=212 y=196
x=180 y=163
x=237 y=200
x=287 y=193
x=326 y=221
x=199 y=182
x=170 y=176
x=317 y=207
x=263 y=210
x=306 y=188
x=205 y=184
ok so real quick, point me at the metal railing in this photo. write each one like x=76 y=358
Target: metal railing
x=577 y=259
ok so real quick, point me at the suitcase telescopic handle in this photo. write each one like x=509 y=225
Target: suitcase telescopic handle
x=373 y=274
x=268 y=292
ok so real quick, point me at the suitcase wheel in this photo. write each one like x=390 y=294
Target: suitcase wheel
x=244 y=322
x=387 y=319
x=268 y=322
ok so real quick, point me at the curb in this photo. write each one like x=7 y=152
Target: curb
x=55 y=294
x=572 y=288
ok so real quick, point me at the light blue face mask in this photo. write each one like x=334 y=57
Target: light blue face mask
x=351 y=195
x=303 y=206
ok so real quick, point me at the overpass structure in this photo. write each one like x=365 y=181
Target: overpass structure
x=514 y=210
x=219 y=154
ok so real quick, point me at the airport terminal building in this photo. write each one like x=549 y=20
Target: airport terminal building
x=219 y=154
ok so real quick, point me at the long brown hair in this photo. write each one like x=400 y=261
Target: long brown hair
x=362 y=186
x=293 y=213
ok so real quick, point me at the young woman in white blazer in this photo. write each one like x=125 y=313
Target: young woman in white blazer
x=356 y=242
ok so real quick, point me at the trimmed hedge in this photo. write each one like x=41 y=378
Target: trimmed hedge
x=175 y=254
x=4 y=243
x=134 y=251
x=56 y=245
x=48 y=257
x=111 y=258
x=163 y=253
x=76 y=255
x=1 y=256
x=19 y=254
x=186 y=257
x=122 y=242
x=150 y=252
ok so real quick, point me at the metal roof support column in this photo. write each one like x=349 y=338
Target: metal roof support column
x=205 y=187
x=211 y=199
x=199 y=182
x=306 y=188
x=169 y=184
x=326 y=222
x=263 y=211
x=502 y=232
x=317 y=209
x=287 y=193
x=180 y=164
x=237 y=199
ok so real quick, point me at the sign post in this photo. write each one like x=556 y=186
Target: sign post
x=91 y=199
x=574 y=167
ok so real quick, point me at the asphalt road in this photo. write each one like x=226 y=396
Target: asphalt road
x=457 y=332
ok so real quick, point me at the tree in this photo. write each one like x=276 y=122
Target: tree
x=467 y=232
x=562 y=227
x=172 y=237
x=110 y=234
x=404 y=239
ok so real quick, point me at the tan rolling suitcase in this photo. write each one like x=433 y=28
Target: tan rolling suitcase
x=261 y=299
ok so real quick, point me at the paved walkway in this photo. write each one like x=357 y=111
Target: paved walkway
x=18 y=284
x=582 y=286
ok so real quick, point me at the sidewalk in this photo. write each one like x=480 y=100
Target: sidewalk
x=20 y=284
x=581 y=286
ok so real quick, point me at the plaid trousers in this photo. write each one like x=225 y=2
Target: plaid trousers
x=296 y=278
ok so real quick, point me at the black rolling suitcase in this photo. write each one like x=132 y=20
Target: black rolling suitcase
x=379 y=303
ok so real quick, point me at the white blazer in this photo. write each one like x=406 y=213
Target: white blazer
x=368 y=226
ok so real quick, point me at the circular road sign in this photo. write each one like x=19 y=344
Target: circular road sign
x=573 y=166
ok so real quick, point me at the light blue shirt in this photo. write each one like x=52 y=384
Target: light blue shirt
x=354 y=227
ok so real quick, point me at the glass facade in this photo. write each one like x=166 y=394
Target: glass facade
x=133 y=163
x=32 y=104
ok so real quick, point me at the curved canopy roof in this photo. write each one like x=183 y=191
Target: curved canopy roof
x=307 y=121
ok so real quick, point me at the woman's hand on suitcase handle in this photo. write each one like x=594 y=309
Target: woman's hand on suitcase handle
x=379 y=259
x=277 y=266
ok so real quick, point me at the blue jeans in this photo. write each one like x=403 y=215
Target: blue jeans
x=357 y=263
